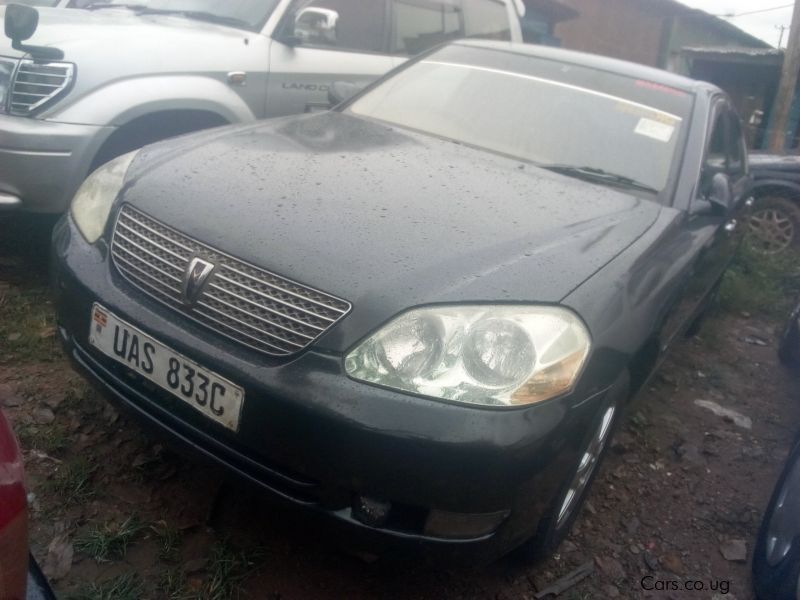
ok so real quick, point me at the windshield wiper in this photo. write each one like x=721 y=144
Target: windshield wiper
x=197 y=15
x=99 y=5
x=594 y=174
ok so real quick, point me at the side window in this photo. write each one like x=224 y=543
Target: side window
x=422 y=24
x=737 y=158
x=342 y=24
x=486 y=19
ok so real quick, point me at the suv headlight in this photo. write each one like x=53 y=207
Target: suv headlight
x=6 y=72
x=92 y=203
x=502 y=356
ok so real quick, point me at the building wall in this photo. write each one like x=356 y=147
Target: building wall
x=635 y=30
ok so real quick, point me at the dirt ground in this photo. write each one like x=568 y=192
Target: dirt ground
x=116 y=515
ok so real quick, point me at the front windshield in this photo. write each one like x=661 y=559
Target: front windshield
x=580 y=121
x=252 y=13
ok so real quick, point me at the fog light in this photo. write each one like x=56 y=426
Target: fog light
x=370 y=511
x=459 y=526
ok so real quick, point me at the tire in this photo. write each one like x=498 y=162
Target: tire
x=780 y=579
x=774 y=226
x=555 y=525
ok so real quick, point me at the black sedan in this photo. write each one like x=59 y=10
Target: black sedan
x=776 y=559
x=422 y=312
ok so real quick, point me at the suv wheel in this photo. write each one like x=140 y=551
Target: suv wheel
x=775 y=225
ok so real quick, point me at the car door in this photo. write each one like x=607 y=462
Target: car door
x=322 y=41
x=711 y=234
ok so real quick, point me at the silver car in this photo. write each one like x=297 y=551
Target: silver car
x=133 y=74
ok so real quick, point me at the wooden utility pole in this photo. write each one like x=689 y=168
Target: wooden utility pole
x=788 y=86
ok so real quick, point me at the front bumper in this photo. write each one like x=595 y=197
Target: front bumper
x=314 y=437
x=42 y=163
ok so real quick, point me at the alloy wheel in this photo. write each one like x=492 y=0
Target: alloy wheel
x=587 y=466
x=771 y=230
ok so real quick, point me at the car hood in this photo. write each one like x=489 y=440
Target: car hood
x=121 y=43
x=385 y=218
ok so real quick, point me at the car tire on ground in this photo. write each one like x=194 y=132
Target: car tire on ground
x=778 y=580
x=775 y=224
x=559 y=517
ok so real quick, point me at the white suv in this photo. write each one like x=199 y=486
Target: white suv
x=133 y=74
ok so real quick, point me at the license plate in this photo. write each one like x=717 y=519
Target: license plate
x=205 y=391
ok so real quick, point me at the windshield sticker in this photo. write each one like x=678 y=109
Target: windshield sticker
x=651 y=114
x=655 y=129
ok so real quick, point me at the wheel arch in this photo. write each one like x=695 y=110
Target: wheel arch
x=153 y=127
x=776 y=187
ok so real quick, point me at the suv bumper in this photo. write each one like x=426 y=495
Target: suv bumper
x=42 y=163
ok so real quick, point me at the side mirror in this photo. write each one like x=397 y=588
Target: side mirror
x=717 y=198
x=314 y=25
x=21 y=22
x=721 y=196
x=341 y=91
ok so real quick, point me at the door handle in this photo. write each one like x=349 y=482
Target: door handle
x=731 y=225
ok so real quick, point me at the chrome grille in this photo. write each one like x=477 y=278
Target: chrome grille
x=246 y=303
x=35 y=84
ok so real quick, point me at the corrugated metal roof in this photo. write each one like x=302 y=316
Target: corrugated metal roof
x=733 y=50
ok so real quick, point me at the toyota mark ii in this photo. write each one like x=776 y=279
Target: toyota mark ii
x=421 y=313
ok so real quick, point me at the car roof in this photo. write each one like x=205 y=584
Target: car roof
x=595 y=61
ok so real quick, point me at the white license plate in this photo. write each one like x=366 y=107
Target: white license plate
x=214 y=396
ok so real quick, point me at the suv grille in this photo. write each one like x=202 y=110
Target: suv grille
x=35 y=84
x=245 y=303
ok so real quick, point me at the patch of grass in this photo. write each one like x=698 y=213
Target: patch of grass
x=27 y=324
x=169 y=539
x=81 y=396
x=109 y=542
x=760 y=283
x=227 y=569
x=123 y=587
x=172 y=586
x=72 y=482
x=50 y=439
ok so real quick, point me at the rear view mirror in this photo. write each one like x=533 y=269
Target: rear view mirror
x=21 y=22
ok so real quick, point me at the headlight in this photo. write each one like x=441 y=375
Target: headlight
x=92 y=204
x=487 y=355
x=6 y=70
